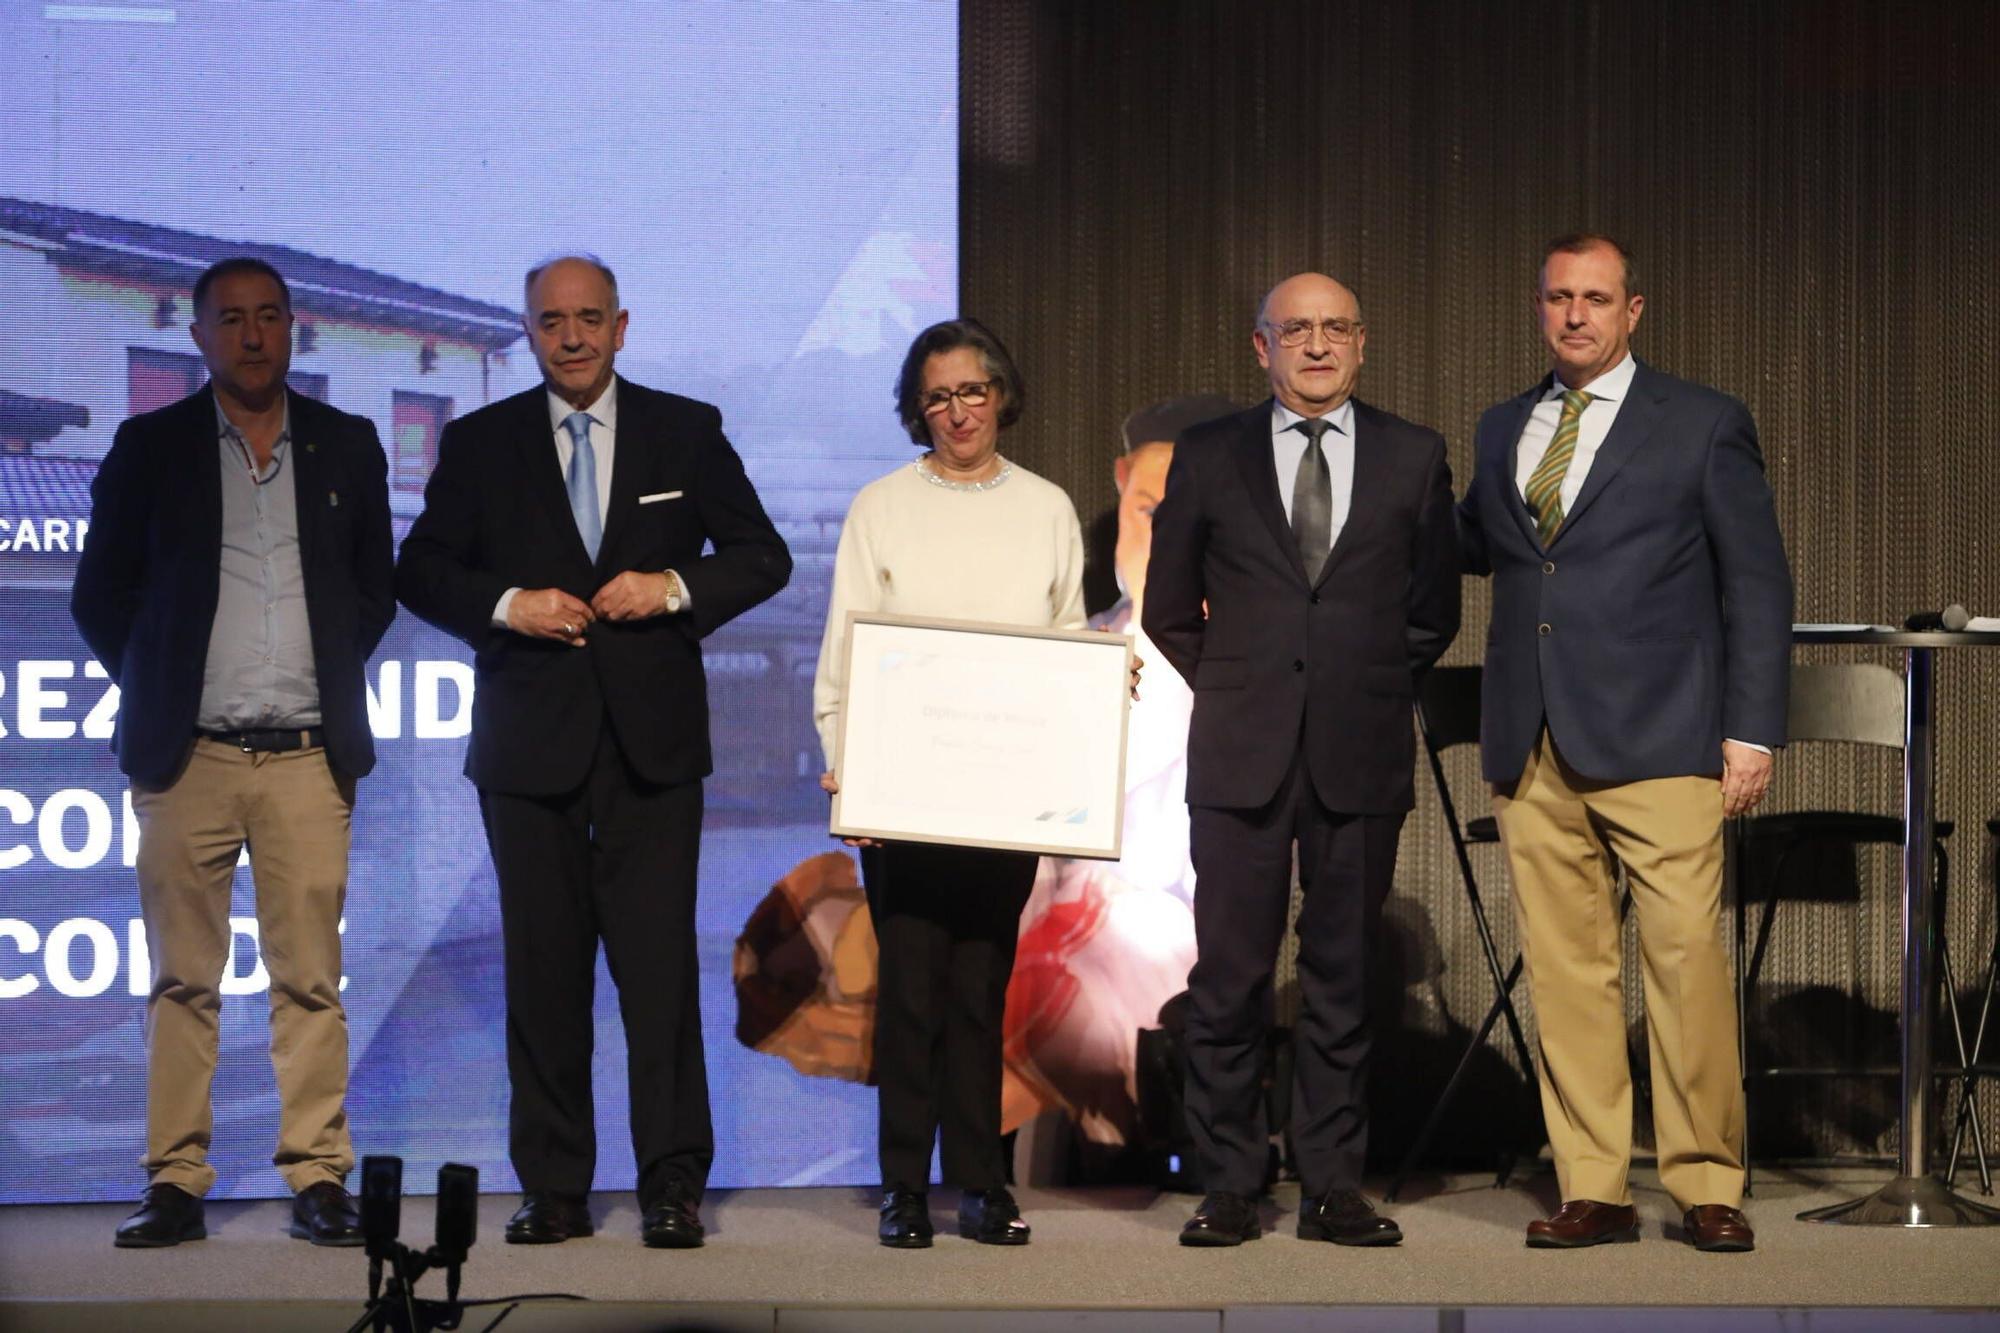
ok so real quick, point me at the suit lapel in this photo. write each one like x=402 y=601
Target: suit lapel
x=308 y=477
x=200 y=434
x=1630 y=431
x=540 y=467
x=1254 y=459
x=634 y=434
x=1510 y=459
x=1372 y=465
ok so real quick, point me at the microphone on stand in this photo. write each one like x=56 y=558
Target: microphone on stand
x=1952 y=618
x=381 y=1213
x=457 y=1221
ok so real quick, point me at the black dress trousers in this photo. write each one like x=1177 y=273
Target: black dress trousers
x=1243 y=864
x=946 y=920
x=615 y=860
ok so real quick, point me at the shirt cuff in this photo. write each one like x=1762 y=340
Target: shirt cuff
x=687 y=593
x=500 y=608
x=1752 y=745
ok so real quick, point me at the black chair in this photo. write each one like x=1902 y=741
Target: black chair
x=1448 y=716
x=1856 y=703
x=1968 y=1085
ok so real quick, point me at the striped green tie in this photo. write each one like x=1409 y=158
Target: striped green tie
x=1544 y=490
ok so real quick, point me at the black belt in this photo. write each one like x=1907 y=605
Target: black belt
x=270 y=740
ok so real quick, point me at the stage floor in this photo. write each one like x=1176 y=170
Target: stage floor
x=1102 y=1258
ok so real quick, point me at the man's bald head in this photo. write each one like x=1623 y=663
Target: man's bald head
x=1309 y=339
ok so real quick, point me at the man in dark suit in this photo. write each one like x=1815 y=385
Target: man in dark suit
x=1302 y=573
x=1635 y=687
x=562 y=538
x=236 y=579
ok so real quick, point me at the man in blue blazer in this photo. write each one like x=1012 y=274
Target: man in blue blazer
x=1635 y=688
x=1303 y=573
x=237 y=577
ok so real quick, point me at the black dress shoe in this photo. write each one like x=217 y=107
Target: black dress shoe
x=325 y=1215
x=906 y=1220
x=167 y=1215
x=1345 y=1218
x=672 y=1222
x=1222 y=1219
x=548 y=1219
x=991 y=1217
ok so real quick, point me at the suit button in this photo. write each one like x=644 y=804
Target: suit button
x=1313 y=598
x=1545 y=628
x=1548 y=567
x=1298 y=665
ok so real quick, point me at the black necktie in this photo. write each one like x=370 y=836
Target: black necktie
x=1312 y=499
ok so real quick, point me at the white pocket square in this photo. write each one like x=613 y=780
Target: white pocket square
x=659 y=496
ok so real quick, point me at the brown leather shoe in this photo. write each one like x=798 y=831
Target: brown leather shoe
x=1719 y=1228
x=1581 y=1222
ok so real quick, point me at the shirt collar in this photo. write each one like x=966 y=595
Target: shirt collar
x=604 y=411
x=225 y=429
x=1341 y=418
x=1613 y=384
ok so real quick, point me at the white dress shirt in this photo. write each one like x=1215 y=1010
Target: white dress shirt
x=603 y=416
x=1288 y=446
x=1608 y=393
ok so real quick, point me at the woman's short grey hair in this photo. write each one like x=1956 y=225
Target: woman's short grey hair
x=949 y=336
x=578 y=256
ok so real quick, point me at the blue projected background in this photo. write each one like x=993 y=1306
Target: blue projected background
x=775 y=185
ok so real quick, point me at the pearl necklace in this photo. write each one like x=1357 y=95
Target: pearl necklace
x=1006 y=471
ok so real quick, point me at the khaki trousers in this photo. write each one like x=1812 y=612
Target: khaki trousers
x=1562 y=832
x=295 y=814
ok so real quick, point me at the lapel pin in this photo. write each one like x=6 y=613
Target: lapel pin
x=333 y=499
x=310 y=448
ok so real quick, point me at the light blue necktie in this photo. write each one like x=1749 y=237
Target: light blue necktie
x=583 y=482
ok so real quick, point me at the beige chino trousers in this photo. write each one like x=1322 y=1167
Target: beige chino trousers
x=296 y=816
x=1564 y=835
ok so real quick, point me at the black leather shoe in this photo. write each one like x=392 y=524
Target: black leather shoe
x=1345 y=1218
x=672 y=1221
x=548 y=1219
x=991 y=1217
x=167 y=1215
x=325 y=1215
x=1222 y=1219
x=906 y=1220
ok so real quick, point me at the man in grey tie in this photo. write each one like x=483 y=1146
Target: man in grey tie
x=563 y=537
x=1303 y=571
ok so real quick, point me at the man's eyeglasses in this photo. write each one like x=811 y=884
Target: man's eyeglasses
x=973 y=394
x=1297 y=332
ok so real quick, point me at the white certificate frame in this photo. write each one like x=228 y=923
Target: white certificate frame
x=969 y=734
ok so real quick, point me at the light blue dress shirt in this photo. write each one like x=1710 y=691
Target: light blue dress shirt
x=259 y=671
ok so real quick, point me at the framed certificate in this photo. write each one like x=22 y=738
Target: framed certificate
x=981 y=735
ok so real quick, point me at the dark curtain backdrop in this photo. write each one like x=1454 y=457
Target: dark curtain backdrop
x=1811 y=193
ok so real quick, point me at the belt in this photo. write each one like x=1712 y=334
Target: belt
x=270 y=740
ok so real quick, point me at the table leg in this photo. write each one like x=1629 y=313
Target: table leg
x=1915 y=1198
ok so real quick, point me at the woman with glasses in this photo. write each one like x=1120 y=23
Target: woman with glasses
x=964 y=534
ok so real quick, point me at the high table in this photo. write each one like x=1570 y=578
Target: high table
x=1915 y=1198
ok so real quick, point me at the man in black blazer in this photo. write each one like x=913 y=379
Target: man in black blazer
x=1303 y=572
x=1635 y=687
x=562 y=538
x=236 y=579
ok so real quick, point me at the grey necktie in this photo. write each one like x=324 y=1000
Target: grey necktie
x=1312 y=499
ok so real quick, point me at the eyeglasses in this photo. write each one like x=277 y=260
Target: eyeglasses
x=973 y=394
x=1297 y=332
